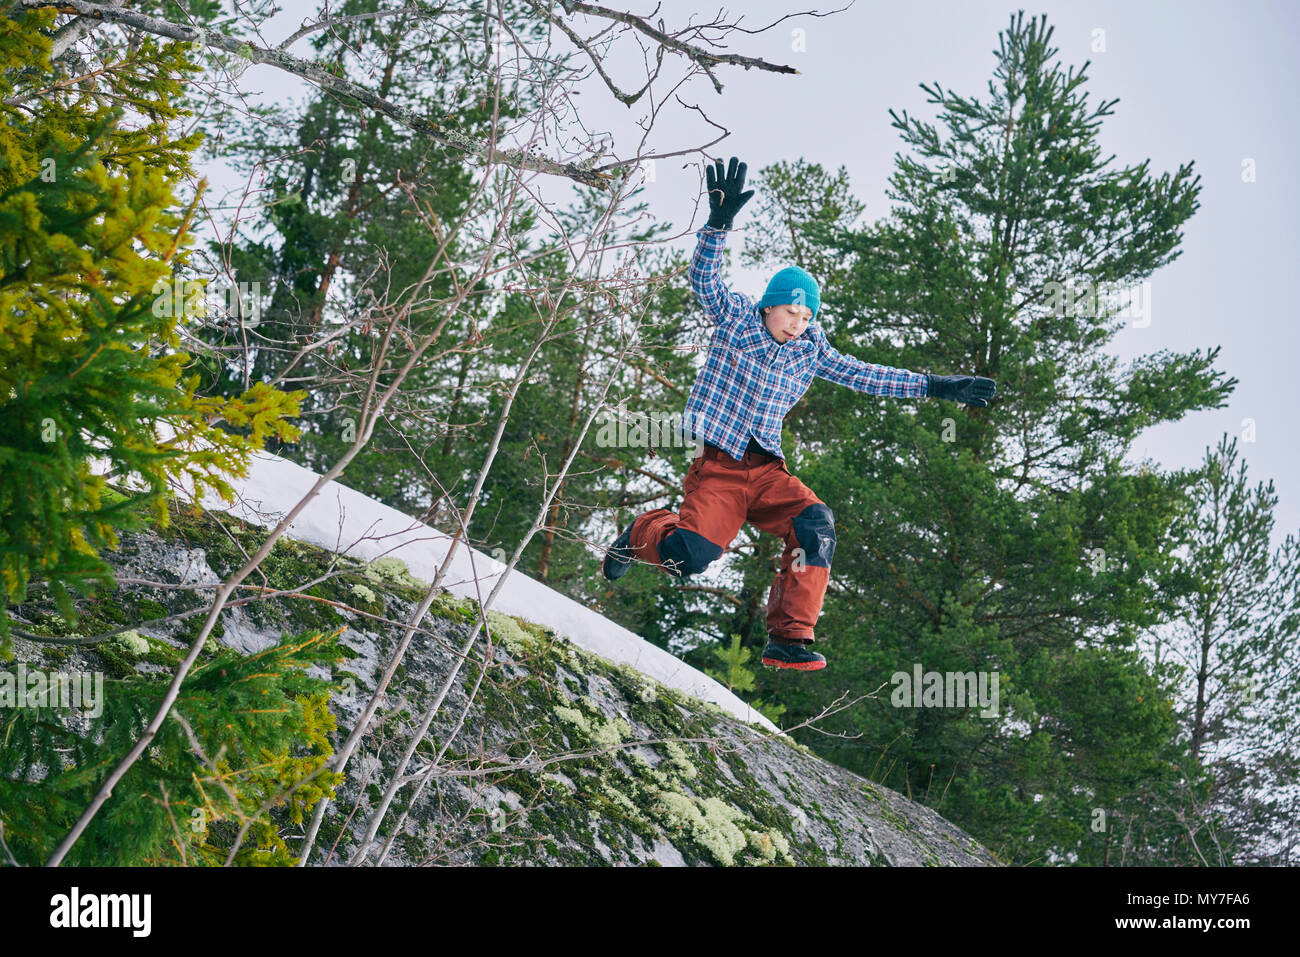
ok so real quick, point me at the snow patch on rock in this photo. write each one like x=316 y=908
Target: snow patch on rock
x=349 y=522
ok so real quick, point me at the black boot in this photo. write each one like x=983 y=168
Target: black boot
x=618 y=559
x=791 y=654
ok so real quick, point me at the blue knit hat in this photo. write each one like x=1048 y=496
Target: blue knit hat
x=792 y=286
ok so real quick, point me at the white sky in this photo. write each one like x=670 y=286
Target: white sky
x=1196 y=82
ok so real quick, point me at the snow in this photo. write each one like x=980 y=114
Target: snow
x=351 y=523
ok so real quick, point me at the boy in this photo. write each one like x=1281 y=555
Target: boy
x=762 y=359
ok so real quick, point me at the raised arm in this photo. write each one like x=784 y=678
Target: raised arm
x=727 y=195
x=721 y=304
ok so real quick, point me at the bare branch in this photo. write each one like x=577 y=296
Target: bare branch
x=703 y=58
x=74 y=30
x=484 y=153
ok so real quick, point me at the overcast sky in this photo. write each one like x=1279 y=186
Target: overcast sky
x=1213 y=84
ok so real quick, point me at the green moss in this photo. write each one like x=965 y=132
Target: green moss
x=111 y=611
x=150 y=610
x=161 y=653
x=541 y=699
x=192 y=625
x=634 y=684
x=447 y=605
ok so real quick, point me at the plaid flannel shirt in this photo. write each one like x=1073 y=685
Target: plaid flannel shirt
x=749 y=380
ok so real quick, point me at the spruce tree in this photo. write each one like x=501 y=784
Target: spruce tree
x=93 y=385
x=260 y=730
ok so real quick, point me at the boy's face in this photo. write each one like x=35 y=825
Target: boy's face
x=786 y=322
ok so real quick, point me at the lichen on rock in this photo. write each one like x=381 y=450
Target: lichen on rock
x=392 y=571
x=364 y=593
x=506 y=630
x=132 y=643
x=562 y=757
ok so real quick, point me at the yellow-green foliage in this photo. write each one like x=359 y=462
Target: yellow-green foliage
x=739 y=679
x=280 y=770
x=734 y=674
x=261 y=737
x=90 y=227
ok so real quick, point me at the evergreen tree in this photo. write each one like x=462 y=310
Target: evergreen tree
x=98 y=400
x=1234 y=655
x=618 y=302
x=260 y=728
x=1011 y=539
x=90 y=367
x=356 y=210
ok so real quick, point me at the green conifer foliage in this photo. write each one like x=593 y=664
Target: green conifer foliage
x=91 y=233
x=738 y=678
x=261 y=738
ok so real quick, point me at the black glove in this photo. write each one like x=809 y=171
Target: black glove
x=725 y=196
x=969 y=389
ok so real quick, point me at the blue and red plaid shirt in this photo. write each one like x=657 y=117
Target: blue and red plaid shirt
x=749 y=380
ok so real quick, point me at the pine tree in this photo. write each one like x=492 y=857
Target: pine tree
x=598 y=310
x=1010 y=539
x=732 y=672
x=1235 y=658
x=346 y=221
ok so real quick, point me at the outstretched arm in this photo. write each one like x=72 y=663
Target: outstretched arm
x=885 y=380
x=836 y=367
x=968 y=389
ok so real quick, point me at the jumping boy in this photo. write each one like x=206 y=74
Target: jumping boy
x=762 y=358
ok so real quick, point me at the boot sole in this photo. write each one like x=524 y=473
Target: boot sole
x=795 y=665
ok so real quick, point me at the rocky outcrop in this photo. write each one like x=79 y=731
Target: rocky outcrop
x=562 y=757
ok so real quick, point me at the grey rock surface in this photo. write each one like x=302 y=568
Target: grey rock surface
x=560 y=758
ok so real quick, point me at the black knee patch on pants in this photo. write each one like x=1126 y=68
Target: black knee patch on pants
x=687 y=553
x=814 y=527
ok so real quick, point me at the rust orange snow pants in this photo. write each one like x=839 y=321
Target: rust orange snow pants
x=722 y=493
